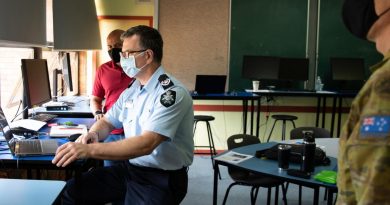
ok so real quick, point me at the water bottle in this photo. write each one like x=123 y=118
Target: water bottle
x=318 y=84
x=309 y=148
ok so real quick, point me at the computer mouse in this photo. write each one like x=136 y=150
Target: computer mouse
x=74 y=137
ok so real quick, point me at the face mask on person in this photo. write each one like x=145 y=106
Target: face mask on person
x=114 y=54
x=129 y=65
x=359 y=16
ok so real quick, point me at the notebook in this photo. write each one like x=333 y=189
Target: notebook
x=210 y=84
x=22 y=147
x=66 y=131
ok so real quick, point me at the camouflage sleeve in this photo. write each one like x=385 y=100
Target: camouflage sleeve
x=364 y=155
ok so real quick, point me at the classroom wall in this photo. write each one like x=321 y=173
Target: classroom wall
x=279 y=28
x=197 y=41
x=197 y=32
x=195 y=37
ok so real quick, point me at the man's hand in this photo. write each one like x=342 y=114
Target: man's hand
x=70 y=152
x=90 y=137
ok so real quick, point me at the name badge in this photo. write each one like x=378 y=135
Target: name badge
x=129 y=104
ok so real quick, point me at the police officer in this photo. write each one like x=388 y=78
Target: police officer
x=156 y=113
x=364 y=154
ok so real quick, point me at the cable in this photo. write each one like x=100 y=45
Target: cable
x=19 y=114
x=20 y=102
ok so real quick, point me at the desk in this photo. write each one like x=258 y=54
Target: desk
x=80 y=110
x=270 y=168
x=244 y=96
x=321 y=96
x=7 y=160
x=24 y=192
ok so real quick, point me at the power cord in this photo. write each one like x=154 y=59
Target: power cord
x=17 y=114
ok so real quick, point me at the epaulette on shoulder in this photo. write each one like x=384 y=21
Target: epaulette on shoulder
x=165 y=81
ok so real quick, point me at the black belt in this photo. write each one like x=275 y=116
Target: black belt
x=157 y=170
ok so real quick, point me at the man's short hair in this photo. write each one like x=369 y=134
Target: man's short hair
x=150 y=38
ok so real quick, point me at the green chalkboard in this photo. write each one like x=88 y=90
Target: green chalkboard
x=268 y=28
x=278 y=28
x=336 y=41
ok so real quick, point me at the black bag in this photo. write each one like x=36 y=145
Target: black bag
x=320 y=157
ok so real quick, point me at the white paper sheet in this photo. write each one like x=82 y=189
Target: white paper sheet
x=28 y=124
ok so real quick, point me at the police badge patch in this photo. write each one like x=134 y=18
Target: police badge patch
x=168 y=98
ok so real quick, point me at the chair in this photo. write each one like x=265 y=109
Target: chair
x=206 y=119
x=297 y=133
x=246 y=178
x=283 y=118
x=211 y=146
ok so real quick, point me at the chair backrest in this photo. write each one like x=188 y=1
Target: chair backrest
x=240 y=140
x=235 y=141
x=297 y=133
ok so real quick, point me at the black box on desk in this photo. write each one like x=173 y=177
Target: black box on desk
x=57 y=108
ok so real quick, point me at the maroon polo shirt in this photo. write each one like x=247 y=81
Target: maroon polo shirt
x=110 y=82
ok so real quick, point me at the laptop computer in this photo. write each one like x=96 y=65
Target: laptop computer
x=23 y=147
x=210 y=84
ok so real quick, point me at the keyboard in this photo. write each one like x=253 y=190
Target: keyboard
x=43 y=117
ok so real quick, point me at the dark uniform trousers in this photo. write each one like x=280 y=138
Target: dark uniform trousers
x=128 y=183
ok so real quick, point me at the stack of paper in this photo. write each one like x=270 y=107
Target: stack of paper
x=233 y=157
x=66 y=131
x=28 y=124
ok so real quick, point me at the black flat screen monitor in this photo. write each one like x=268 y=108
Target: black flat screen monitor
x=67 y=71
x=260 y=67
x=212 y=84
x=36 y=82
x=347 y=69
x=294 y=69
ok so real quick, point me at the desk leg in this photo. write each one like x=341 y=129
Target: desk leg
x=339 y=116
x=258 y=117
x=215 y=189
x=244 y=114
x=318 y=111
x=330 y=197
x=323 y=111
x=333 y=116
x=252 y=113
x=316 y=195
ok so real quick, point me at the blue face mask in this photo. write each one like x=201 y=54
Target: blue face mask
x=129 y=66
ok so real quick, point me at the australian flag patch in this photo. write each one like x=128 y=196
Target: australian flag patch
x=375 y=126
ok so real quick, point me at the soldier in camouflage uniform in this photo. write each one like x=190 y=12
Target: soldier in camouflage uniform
x=364 y=154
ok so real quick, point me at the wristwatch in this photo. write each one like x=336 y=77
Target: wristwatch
x=98 y=112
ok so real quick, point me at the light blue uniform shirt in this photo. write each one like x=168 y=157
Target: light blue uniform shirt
x=168 y=112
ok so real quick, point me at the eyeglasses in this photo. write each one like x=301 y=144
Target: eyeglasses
x=127 y=54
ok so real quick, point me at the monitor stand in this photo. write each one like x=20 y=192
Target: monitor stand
x=56 y=72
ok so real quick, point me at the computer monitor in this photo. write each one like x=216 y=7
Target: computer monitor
x=36 y=82
x=347 y=69
x=260 y=67
x=210 y=84
x=294 y=69
x=67 y=71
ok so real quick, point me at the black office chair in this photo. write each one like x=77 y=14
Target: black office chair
x=246 y=178
x=298 y=133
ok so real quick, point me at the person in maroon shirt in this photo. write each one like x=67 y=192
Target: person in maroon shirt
x=110 y=81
